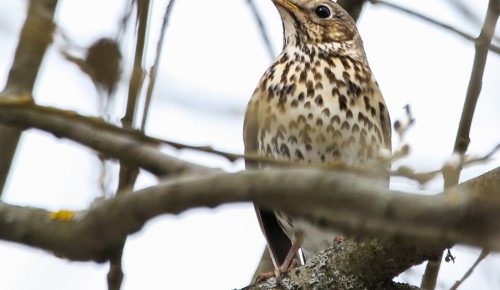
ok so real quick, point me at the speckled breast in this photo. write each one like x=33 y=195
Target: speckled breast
x=320 y=109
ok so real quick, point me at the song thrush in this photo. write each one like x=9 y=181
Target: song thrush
x=317 y=103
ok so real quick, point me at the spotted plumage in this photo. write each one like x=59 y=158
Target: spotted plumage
x=317 y=103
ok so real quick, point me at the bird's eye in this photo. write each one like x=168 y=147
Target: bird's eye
x=322 y=11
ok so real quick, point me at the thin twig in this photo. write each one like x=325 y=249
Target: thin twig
x=463 y=161
x=465 y=35
x=94 y=133
x=262 y=29
x=482 y=256
x=154 y=68
x=138 y=74
x=125 y=19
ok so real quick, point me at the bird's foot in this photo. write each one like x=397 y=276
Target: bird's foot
x=264 y=276
x=277 y=272
x=339 y=239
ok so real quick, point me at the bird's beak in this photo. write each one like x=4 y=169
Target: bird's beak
x=286 y=4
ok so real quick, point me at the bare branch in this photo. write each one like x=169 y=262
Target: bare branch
x=350 y=265
x=128 y=146
x=154 y=68
x=262 y=29
x=461 y=161
x=468 y=214
x=482 y=256
x=465 y=11
x=138 y=74
x=483 y=43
x=450 y=28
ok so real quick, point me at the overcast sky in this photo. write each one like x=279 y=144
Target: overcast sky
x=213 y=58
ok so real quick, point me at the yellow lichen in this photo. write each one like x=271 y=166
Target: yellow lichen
x=63 y=215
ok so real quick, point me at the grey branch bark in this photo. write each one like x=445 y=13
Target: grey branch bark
x=468 y=214
x=354 y=265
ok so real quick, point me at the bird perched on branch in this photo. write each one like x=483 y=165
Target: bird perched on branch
x=318 y=103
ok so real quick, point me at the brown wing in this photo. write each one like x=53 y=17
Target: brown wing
x=384 y=118
x=277 y=241
x=385 y=124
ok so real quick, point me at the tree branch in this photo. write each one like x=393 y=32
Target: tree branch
x=128 y=146
x=262 y=29
x=154 y=68
x=450 y=28
x=468 y=214
x=138 y=74
x=351 y=265
x=482 y=256
x=483 y=43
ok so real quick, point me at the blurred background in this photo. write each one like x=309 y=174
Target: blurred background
x=213 y=56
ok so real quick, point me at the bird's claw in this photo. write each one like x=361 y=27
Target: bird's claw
x=277 y=273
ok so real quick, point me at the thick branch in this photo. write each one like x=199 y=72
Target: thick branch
x=354 y=265
x=468 y=214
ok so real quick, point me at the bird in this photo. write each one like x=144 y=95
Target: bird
x=318 y=103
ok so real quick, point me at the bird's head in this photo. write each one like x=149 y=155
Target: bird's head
x=320 y=23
